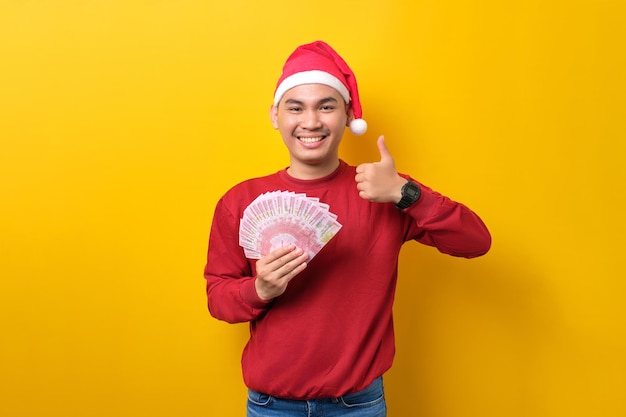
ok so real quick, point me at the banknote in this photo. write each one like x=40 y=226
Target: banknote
x=279 y=218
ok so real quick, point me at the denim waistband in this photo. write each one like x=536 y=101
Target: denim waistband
x=375 y=387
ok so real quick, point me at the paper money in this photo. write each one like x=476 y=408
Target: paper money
x=279 y=218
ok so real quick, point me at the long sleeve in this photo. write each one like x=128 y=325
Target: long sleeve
x=229 y=276
x=449 y=226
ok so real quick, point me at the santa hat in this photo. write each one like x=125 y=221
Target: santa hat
x=318 y=63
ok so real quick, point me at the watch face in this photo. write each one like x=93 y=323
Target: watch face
x=412 y=192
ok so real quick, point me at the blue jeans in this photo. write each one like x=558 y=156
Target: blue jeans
x=369 y=402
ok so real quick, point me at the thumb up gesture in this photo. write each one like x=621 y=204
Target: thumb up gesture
x=379 y=181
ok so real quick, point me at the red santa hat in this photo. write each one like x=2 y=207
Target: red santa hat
x=318 y=63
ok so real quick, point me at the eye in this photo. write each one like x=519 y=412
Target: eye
x=294 y=109
x=327 y=107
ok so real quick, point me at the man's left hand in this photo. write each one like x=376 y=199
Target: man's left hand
x=379 y=181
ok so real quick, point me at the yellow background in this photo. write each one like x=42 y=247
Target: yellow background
x=123 y=122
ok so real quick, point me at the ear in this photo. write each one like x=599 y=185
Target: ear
x=350 y=113
x=274 y=116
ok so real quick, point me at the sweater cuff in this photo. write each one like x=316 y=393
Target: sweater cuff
x=249 y=295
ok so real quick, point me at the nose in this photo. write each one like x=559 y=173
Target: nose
x=310 y=120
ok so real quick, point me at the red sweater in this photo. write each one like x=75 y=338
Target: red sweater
x=331 y=332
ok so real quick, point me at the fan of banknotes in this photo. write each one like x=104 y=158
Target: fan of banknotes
x=279 y=218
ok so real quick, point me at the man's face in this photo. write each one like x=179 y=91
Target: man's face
x=311 y=119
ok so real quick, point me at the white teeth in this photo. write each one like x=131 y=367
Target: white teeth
x=311 y=140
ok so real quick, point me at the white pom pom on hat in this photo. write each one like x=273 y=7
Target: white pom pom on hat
x=358 y=126
x=318 y=63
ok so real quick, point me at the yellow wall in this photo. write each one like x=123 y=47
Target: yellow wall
x=122 y=122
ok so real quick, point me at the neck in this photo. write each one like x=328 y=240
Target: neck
x=312 y=172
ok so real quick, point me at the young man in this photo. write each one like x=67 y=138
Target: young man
x=321 y=332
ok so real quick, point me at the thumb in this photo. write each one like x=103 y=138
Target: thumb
x=385 y=156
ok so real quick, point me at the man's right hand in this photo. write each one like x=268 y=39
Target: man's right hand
x=276 y=269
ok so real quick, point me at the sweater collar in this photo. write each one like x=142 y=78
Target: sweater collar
x=315 y=183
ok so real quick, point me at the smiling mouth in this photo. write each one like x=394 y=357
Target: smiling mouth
x=311 y=139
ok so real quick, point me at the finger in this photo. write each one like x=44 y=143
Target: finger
x=297 y=261
x=385 y=156
x=363 y=168
x=298 y=269
x=279 y=253
x=294 y=267
x=290 y=257
x=279 y=267
x=279 y=257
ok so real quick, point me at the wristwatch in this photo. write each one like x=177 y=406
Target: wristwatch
x=410 y=194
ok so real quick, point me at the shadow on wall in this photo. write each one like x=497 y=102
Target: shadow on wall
x=472 y=335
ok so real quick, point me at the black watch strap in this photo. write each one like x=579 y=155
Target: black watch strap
x=410 y=194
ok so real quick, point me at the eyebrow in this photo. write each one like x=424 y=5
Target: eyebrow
x=322 y=101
